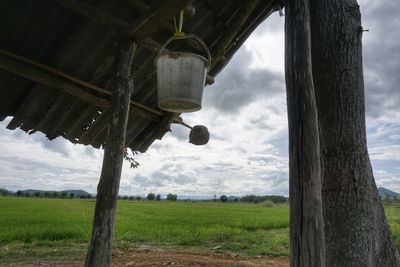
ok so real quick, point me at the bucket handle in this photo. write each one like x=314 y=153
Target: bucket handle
x=187 y=36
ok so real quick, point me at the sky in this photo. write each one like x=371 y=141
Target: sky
x=245 y=112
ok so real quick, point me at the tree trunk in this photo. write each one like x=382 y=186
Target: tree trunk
x=306 y=222
x=356 y=229
x=100 y=247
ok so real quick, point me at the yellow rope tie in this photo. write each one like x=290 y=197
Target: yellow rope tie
x=178 y=28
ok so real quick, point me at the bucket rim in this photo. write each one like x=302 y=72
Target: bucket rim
x=186 y=36
x=164 y=54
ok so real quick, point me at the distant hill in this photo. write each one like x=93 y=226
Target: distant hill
x=77 y=193
x=384 y=192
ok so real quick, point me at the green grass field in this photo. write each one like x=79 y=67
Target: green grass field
x=32 y=227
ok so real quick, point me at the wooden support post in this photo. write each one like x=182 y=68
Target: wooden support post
x=100 y=247
x=306 y=220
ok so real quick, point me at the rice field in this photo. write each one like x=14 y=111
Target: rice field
x=34 y=226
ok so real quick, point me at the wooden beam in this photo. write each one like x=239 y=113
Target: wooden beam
x=95 y=14
x=100 y=247
x=52 y=81
x=54 y=71
x=153 y=18
x=264 y=10
x=233 y=28
x=140 y=30
x=59 y=80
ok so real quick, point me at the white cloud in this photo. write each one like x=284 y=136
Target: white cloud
x=267 y=44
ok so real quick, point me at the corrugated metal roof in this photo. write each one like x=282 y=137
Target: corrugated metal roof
x=49 y=33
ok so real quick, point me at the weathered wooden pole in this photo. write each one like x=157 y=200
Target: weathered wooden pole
x=306 y=221
x=100 y=247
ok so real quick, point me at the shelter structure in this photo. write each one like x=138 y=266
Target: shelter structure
x=56 y=60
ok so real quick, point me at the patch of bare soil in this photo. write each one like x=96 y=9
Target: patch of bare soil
x=158 y=258
x=147 y=257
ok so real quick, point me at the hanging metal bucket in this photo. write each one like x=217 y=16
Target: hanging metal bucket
x=181 y=77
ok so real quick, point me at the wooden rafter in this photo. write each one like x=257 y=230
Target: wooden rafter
x=233 y=28
x=153 y=19
x=140 y=30
x=58 y=104
x=59 y=80
x=41 y=76
x=95 y=14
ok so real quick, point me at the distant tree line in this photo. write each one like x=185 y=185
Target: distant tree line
x=275 y=199
x=65 y=195
x=390 y=199
x=52 y=194
x=258 y=199
x=131 y=198
x=152 y=196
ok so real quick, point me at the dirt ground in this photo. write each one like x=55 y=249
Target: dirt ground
x=156 y=258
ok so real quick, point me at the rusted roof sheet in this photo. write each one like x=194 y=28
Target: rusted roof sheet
x=48 y=32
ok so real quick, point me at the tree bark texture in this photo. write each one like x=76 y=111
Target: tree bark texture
x=306 y=221
x=100 y=247
x=356 y=229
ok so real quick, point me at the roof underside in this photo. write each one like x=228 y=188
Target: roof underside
x=49 y=33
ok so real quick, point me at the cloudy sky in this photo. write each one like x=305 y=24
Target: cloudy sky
x=245 y=111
